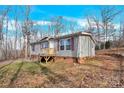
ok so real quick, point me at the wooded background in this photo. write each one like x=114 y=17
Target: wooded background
x=15 y=44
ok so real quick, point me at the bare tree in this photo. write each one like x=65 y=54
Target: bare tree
x=104 y=26
x=72 y=27
x=16 y=35
x=3 y=42
x=26 y=30
x=97 y=24
x=108 y=14
x=90 y=25
x=58 y=25
x=6 y=44
x=3 y=15
x=121 y=32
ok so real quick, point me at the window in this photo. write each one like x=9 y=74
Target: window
x=33 y=47
x=45 y=45
x=41 y=45
x=68 y=44
x=65 y=44
x=62 y=44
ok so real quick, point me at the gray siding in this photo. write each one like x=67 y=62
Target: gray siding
x=83 y=47
x=38 y=47
x=87 y=46
x=70 y=53
x=36 y=50
x=51 y=44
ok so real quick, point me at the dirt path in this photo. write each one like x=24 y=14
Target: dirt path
x=6 y=62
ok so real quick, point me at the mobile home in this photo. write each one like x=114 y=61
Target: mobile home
x=73 y=46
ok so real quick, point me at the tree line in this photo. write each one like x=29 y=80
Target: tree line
x=102 y=28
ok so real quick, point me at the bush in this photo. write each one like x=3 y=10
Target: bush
x=107 y=45
x=102 y=45
x=96 y=47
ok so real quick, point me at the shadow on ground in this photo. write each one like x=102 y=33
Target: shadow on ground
x=5 y=65
x=15 y=76
x=4 y=71
x=52 y=76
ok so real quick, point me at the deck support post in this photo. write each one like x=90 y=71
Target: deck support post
x=46 y=57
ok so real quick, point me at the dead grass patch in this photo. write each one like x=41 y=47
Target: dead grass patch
x=95 y=72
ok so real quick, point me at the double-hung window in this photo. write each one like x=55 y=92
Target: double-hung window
x=45 y=45
x=65 y=44
x=62 y=44
x=68 y=44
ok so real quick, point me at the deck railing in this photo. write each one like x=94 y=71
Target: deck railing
x=48 y=51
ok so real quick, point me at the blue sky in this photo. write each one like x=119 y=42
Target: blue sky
x=40 y=12
x=76 y=12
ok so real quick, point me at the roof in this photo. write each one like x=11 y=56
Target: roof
x=44 y=39
x=73 y=34
x=76 y=34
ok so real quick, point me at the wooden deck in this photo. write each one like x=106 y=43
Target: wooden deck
x=46 y=57
x=46 y=54
x=48 y=51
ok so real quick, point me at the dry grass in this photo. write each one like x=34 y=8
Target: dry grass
x=101 y=71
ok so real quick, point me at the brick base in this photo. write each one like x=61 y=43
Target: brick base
x=62 y=59
x=66 y=59
x=81 y=60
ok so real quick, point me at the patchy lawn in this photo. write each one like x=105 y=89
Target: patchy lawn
x=101 y=71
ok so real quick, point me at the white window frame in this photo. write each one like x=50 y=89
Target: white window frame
x=60 y=44
x=64 y=44
x=68 y=44
x=43 y=45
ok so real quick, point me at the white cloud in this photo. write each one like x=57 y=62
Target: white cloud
x=117 y=26
x=84 y=23
x=42 y=23
x=81 y=22
x=11 y=25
